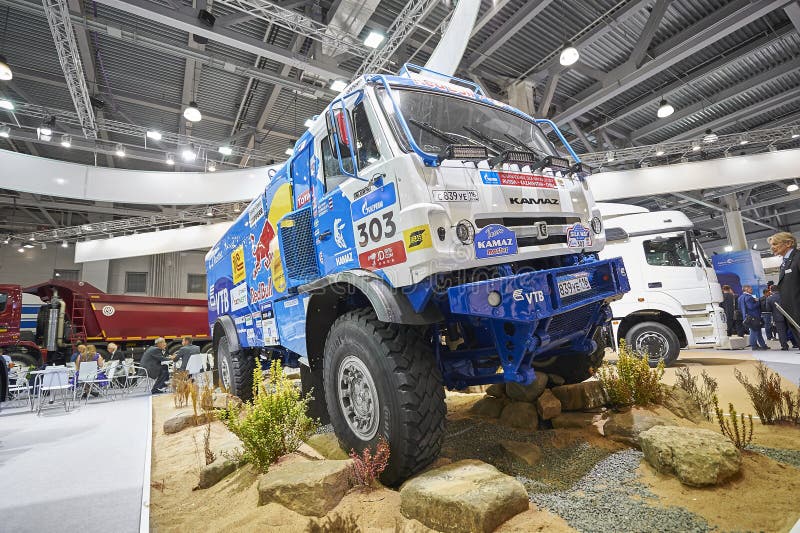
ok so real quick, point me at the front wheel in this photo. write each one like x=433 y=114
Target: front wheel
x=382 y=380
x=656 y=341
x=578 y=367
x=235 y=370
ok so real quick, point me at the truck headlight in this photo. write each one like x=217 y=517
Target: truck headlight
x=465 y=231
x=597 y=225
x=494 y=298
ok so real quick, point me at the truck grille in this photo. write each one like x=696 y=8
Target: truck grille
x=297 y=241
x=521 y=222
x=570 y=322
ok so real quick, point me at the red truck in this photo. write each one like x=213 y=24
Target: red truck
x=77 y=312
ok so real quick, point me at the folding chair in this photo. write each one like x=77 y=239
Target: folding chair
x=196 y=368
x=135 y=377
x=19 y=389
x=88 y=376
x=52 y=380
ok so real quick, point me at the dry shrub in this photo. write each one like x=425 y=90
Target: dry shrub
x=730 y=426
x=274 y=423
x=194 y=393
x=337 y=523
x=703 y=393
x=182 y=385
x=771 y=402
x=207 y=397
x=631 y=381
x=367 y=467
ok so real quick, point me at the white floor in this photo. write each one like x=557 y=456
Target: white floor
x=77 y=471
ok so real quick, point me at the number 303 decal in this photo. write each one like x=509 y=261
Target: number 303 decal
x=376 y=229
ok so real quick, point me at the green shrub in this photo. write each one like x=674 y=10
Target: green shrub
x=771 y=402
x=274 y=423
x=730 y=426
x=631 y=381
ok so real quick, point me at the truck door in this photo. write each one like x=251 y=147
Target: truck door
x=673 y=269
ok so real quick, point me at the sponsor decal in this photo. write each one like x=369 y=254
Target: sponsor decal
x=579 y=236
x=238 y=297
x=304 y=198
x=374 y=182
x=417 y=238
x=290 y=303
x=255 y=212
x=262 y=254
x=495 y=240
x=377 y=229
x=237 y=265
x=529 y=296
x=533 y=201
x=373 y=202
x=519 y=180
x=454 y=195
x=263 y=291
x=342 y=258
x=216 y=257
x=269 y=326
x=383 y=256
x=108 y=310
x=338 y=236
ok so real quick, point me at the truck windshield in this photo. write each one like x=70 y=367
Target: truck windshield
x=667 y=251
x=437 y=120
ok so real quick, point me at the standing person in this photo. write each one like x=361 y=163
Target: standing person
x=186 y=350
x=151 y=361
x=766 y=315
x=729 y=306
x=779 y=320
x=784 y=244
x=752 y=318
x=738 y=316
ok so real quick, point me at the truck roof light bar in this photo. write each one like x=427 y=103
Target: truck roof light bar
x=521 y=157
x=581 y=170
x=464 y=152
x=557 y=163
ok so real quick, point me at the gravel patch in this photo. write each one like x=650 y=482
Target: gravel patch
x=609 y=499
x=789 y=457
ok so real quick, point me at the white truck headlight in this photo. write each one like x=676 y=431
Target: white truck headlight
x=465 y=231
x=597 y=225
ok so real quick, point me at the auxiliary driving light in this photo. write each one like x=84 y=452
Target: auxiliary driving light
x=597 y=225
x=465 y=231
x=494 y=298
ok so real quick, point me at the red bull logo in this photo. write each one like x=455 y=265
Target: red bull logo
x=262 y=256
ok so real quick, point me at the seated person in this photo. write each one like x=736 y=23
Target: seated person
x=81 y=348
x=186 y=351
x=90 y=354
x=152 y=360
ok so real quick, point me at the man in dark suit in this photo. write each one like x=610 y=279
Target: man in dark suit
x=784 y=244
x=151 y=361
x=729 y=306
x=186 y=350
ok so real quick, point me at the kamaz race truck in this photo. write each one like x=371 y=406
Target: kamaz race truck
x=420 y=235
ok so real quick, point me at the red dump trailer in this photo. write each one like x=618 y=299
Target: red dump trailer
x=77 y=312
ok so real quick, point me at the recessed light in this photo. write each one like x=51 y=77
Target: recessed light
x=374 y=39
x=119 y=150
x=153 y=134
x=66 y=141
x=569 y=55
x=192 y=113
x=225 y=150
x=6 y=104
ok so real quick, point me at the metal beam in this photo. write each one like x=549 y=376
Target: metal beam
x=582 y=136
x=721 y=209
x=497 y=6
x=526 y=13
x=188 y=22
x=639 y=51
x=793 y=12
x=716 y=26
x=81 y=208
x=789 y=198
x=547 y=97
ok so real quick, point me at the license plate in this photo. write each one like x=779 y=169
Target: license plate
x=574 y=284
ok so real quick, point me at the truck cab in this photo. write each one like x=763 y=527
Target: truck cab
x=675 y=298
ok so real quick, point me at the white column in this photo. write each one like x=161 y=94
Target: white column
x=96 y=273
x=734 y=224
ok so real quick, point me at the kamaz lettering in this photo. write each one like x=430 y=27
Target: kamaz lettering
x=533 y=201
x=344 y=258
x=494 y=243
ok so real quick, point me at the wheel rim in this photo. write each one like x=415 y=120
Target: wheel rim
x=358 y=398
x=654 y=344
x=224 y=366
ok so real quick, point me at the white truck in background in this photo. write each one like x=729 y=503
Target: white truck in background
x=674 y=301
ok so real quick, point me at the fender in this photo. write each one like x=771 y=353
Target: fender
x=229 y=328
x=390 y=304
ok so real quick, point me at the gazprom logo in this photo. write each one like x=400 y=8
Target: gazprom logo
x=373 y=202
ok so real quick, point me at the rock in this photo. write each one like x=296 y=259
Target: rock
x=681 y=404
x=311 y=488
x=524 y=451
x=520 y=415
x=547 y=405
x=573 y=420
x=497 y=390
x=327 y=445
x=555 y=380
x=465 y=496
x=698 y=457
x=213 y=473
x=527 y=393
x=221 y=400
x=626 y=427
x=474 y=389
x=488 y=407
x=580 y=396
x=179 y=422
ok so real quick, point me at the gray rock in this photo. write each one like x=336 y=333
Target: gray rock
x=179 y=422
x=555 y=380
x=580 y=396
x=497 y=390
x=474 y=389
x=520 y=415
x=327 y=445
x=527 y=393
x=681 y=404
x=524 y=451
x=697 y=457
x=213 y=473
x=488 y=407
x=547 y=405
x=311 y=488
x=464 y=496
x=573 y=420
x=626 y=427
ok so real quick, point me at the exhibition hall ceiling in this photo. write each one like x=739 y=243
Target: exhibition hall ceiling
x=260 y=69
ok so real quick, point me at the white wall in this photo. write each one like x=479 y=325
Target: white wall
x=191 y=263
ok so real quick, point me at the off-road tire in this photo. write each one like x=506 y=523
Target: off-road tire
x=408 y=388
x=636 y=340
x=240 y=365
x=578 y=367
x=24 y=358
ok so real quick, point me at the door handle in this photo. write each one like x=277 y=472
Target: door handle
x=325 y=235
x=654 y=285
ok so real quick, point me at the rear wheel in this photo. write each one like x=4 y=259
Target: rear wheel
x=382 y=380
x=235 y=370
x=24 y=358
x=655 y=340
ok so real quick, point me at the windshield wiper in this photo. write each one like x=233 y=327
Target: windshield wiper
x=496 y=147
x=433 y=130
x=519 y=143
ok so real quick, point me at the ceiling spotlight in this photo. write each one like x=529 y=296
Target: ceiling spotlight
x=44 y=131
x=154 y=135
x=695 y=146
x=170 y=159
x=5 y=70
x=710 y=136
x=308 y=123
x=32 y=238
x=684 y=159
x=212 y=167
x=610 y=157
x=773 y=148
x=743 y=140
x=44 y=246
x=237 y=207
x=192 y=113
x=664 y=109
x=6 y=104
x=289 y=151
x=338 y=85
x=119 y=150
x=569 y=54
x=7 y=240
x=225 y=150
x=64 y=244
x=795 y=132
x=28 y=246
x=188 y=154
x=659 y=151
x=66 y=141
x=728 y=248
x=374 y=39
x=5 y=132
x=210 y=212
x=20 y=250
x=792 y=187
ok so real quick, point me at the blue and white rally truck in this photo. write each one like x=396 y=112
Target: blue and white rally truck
x=421 y=235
